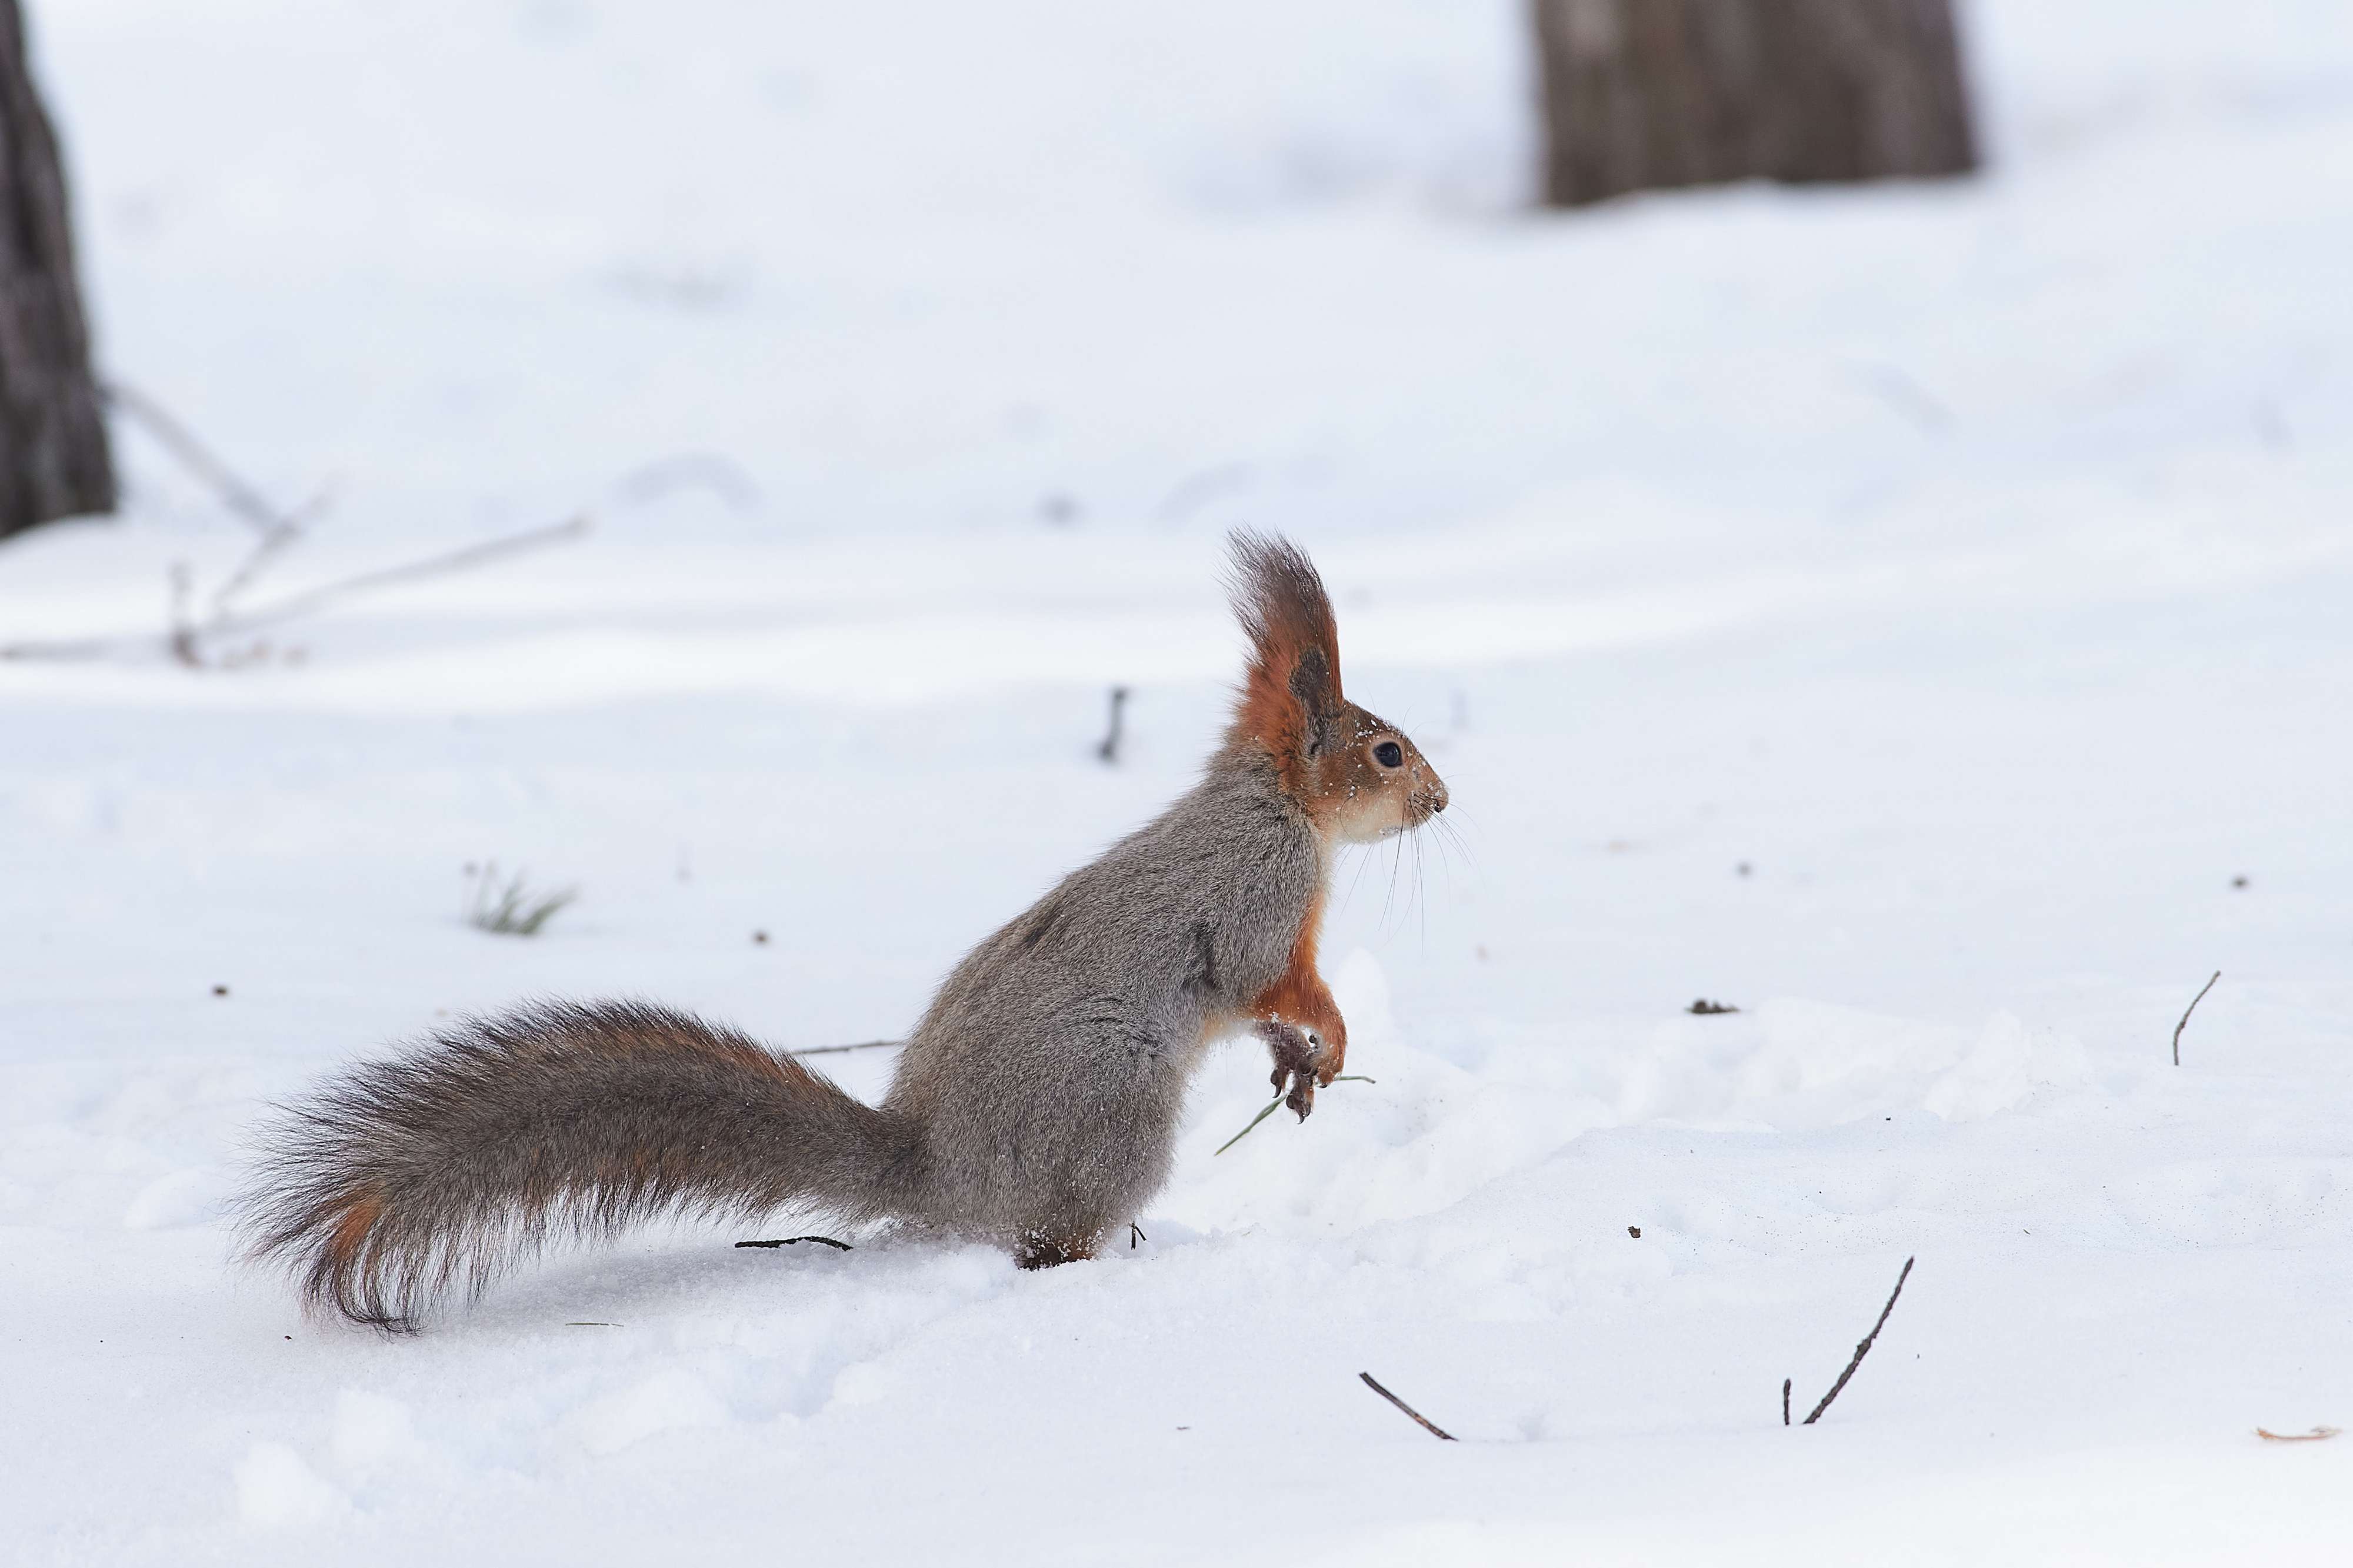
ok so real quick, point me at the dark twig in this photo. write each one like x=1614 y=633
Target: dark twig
x=796 y=1241
x=1109 y=750
x=1707 y=1009
x=2185 y=1016
x=1134 y=1235
x=830 y=1050
x=1785 y=1401
x=1859 y=1351
x=1426 y=1424
x=183 y=636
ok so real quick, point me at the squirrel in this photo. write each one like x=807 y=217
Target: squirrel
x=1034 y=1107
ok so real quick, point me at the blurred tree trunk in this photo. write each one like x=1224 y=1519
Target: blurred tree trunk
x=1639 y=94
x=54 y=460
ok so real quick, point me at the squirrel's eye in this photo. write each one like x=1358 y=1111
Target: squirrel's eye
x=1389 y=754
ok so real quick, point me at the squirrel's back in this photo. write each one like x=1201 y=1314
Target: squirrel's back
x=1049 y=1070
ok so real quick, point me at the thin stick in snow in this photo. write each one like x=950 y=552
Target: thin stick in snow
x=1859 y=1351
x=796 y=1241
x=830 y=1050
x=1109 y=750
x=1784 y=1401
x=2185 y=1016
x=309 y=599
x=236 y=494
x=1279 y=1095
x=2317 y=1435
x=1427 y=1425
x=184 y=638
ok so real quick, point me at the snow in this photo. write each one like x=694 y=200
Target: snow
x=1901 y=613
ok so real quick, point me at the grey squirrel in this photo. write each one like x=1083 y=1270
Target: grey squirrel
x=1035 y=1106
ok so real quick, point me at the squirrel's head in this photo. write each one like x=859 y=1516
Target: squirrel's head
x=1359 y=778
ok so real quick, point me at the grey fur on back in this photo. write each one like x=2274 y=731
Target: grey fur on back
x=1049 y=1073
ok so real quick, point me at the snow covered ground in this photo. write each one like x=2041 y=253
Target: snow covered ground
x=1905 y=614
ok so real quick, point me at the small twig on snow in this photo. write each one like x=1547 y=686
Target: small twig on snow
x=2317 y=1435
x=309 y=599
x=236 y=494
x=830 y=1050
x=183 y=636
x=1785 y=1401
x=1426 y=1424
x=1109 y=750
x=1860 y=1351
x=2185 y=1016
x=796 y=1241
x=266 y=550
x=1279 y=1096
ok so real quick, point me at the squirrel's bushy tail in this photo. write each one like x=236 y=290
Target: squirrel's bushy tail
x=401 y=1178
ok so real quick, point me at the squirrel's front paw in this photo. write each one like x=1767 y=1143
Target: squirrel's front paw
x=1299 y=1057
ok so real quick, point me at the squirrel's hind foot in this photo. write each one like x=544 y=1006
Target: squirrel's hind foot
x=1039 y=1251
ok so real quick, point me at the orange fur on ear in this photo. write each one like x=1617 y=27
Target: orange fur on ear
x=1290 y=699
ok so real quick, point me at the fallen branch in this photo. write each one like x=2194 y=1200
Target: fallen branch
x=311 y=599
x=236 y=494
x=1426 y=1424
x=2185 y=1016
x=796 y=1241
x=183 y=639
x=185 y=634
x=1860 y=1351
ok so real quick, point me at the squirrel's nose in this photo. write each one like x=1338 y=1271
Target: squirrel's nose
x=1437 y=796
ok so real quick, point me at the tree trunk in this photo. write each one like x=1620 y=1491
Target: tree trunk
x=54 y=460
x=1639 y=94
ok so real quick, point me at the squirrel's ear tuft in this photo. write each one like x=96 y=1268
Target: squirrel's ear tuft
x=1290 y=697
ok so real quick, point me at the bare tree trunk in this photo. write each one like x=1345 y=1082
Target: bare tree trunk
x=54 y=460
x=1639 y=94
